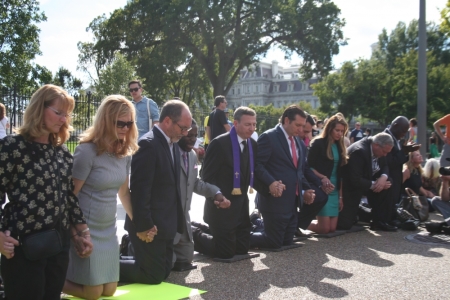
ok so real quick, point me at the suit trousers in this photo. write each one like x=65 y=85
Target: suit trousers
x=153 y=261
x=279 y=230
x=42 y=279
x=308 y=212
x=183 y=251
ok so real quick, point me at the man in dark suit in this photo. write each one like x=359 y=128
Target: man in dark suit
x=279 y=167
x=155 y=197
x=366 y=173
x=308 y=212
x=190 y=183
x=229 y=164
x=395 y=160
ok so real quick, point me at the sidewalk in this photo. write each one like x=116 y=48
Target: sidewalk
x=361 y=265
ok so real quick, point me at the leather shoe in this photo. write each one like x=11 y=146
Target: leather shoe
x=383 y=226
x=183 y=266
x=203 y=227
x=302 y=233
x=255 y=215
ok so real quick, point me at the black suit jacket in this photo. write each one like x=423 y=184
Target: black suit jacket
x=273 y=163
x=395 y=160
x=218 y=170
x=358 y=171
x=155 y=187
x=318 y=159
x=308 y=173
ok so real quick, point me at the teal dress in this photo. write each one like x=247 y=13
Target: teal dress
x=331 y=209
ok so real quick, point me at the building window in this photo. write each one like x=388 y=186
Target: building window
x=276 y=88
x=266 y=88
x=232 y=91
x=239 y=91
x=256 y=88
x=248 y=88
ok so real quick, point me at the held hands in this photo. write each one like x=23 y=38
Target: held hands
x=309 y=196
x=149 y=235
x=83 y=245
x=276 y=188
x=327 y=186
x=341 y=203
x=381 y=184
x=221 y=202
x=410 y=147
x=7 y=244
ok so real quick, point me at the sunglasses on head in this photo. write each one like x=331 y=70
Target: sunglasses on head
x=122 y=124
x=134 y=90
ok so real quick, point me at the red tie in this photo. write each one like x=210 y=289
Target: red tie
x=294 y=151
x=294 y=159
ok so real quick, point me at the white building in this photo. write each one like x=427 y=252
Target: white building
x=265 y=83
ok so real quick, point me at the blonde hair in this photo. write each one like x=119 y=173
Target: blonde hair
x=326 y=134
x=2 y=111
x=410 y=166
x=103 y=132
x=34 y=126
x=431 y=168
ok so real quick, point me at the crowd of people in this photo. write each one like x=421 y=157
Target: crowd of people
x=307 y=175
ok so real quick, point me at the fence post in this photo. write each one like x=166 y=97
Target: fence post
x=15 y=116
x=89 y=94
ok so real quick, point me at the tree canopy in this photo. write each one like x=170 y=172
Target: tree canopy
x=221 y=37
x=19 y=41
x=385 y=86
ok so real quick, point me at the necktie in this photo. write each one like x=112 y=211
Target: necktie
x=294 y=159
x=375 y=166
x=244 y=150
x=294 y=152
x=185 y=160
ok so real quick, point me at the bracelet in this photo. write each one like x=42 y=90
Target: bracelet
x=84 y=230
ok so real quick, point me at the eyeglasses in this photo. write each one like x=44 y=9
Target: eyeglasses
x=122 y=124
x=58 y=113
x=183 y=129
x=134 y=90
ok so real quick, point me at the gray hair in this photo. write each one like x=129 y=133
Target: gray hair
x=382 y=139
x=243 y=110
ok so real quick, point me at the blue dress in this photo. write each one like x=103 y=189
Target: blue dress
x=331 y=209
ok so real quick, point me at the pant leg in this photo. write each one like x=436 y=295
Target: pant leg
x=290 y=229
x=224 y=241
x=243 y=234
x=308 y=212
x=441 y=206
x=203 y=242
x=273 y=235
x=42 y=279
x=349 y=214
x=380 y=205
x=153 y=261
x=184 y=250
x=445 y=154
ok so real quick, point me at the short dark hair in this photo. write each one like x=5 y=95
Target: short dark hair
x=291 y=112
x=319 y=122
x=413 y=121
x=369 y=131
x=219 y=99
x=172 y=109
x=243 y=110
x=310 y=120
x=138 y=82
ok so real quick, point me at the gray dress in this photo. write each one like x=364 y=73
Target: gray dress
x=103 y=176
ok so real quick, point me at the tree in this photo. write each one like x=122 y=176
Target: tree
x=64 y=78
x=222 y=36
x=19 y=40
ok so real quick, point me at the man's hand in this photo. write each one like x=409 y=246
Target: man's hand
x=327 y=186
x=445 y=178
x=276 y=188
x=221 y=202
x=387 y=185
x=147 y=236
x=309 y=196
x=379 y=185
x=7 y=244
x=410 y=147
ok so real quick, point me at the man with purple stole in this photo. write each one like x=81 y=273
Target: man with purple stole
x=229 y=165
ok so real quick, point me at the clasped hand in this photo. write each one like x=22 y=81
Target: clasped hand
x=327 y=186
x=83 y=245
x=148 y=235
x=7 y=244
x=381 y=184
x=276 y=188
x=221 y=202
x=309 y=196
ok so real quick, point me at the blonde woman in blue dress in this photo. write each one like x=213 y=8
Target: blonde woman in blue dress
x=100 y=173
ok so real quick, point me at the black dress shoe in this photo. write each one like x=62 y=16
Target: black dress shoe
x=183 y=266
x=382 y=226
x=255 y=215
x=301 y=233
x=203 y=227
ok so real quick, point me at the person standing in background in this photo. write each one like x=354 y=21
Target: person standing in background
x=4 y=121
x=147 y=111
x=444 y=121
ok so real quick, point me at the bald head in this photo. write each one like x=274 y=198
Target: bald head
x=399 y=127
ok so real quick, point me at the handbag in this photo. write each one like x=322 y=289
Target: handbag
x=46 y=243
x=416 y=205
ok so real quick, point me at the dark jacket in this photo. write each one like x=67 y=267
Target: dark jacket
x=318 y=159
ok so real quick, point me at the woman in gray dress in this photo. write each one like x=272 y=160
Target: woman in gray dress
x=100 y=173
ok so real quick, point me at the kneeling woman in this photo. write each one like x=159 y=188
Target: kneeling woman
x=326 y=157
x=100 y=173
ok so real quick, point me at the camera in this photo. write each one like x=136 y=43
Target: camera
x=444 y=171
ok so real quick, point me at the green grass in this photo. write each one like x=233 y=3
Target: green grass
x=71 y=145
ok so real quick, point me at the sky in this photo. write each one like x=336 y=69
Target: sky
x=67 y=21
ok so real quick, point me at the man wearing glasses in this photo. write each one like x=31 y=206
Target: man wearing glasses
x=147 y=112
